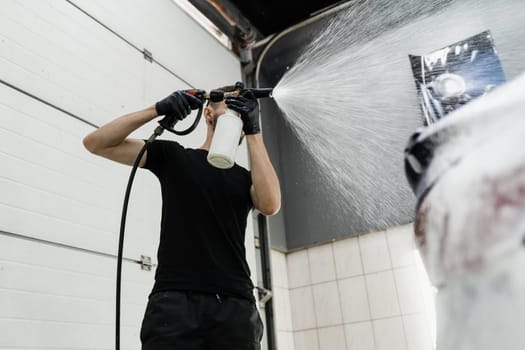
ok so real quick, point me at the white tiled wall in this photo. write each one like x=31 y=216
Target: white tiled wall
x=364 y=293
x=281 y=300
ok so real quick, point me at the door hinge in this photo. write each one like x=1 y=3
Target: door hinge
x=264 y=295
x=145 y=263
x=148 y=56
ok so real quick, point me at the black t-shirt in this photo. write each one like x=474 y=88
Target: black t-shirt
x=204 y=213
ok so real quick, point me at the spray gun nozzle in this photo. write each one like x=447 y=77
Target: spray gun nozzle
x=219 y=95
x=262 y=92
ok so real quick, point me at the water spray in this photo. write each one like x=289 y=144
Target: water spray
x=224 y=146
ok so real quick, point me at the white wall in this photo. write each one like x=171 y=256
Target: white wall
x=281 y=301
x=53 y=190
x=364 y=293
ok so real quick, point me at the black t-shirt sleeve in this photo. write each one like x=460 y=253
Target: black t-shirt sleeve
x=160 y=154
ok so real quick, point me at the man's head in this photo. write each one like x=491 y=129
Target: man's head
x=215 y=109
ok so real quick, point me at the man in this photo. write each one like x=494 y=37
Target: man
x=203 y=295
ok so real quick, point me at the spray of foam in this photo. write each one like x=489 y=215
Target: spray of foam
x=351 y=100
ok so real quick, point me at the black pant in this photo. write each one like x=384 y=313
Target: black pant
x=184 y=320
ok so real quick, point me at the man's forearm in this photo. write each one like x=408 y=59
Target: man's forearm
x=116 y=131
x=264 y=179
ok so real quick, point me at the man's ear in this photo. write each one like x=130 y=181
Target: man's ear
x=208 y=115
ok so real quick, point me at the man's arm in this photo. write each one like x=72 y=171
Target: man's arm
x=265 y=191
x=111 y=140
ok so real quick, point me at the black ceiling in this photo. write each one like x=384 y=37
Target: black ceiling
x=272 y=16
x=260 y=18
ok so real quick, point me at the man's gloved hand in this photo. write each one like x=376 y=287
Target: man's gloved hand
x=246 y=104
x=178 y=105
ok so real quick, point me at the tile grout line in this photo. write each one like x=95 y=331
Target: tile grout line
x=313 y=298
x=363 y=321
x=396 y=289
x=424 y=305
x=338 y=293
x=287 y=289
x=425 y=285
x=367 y=294
x=354 y=276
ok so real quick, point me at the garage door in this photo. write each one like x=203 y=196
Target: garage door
x=67 y=67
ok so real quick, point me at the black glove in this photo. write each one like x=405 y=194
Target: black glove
x=178 y=105
x=246 y=104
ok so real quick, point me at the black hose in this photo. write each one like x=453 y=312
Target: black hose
x=169 y=122
x=158 y=132
x=121 y=241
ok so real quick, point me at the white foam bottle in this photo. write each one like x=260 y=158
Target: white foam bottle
x=225 y=140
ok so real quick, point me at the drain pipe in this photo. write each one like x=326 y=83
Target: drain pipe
x=243 y=43
x=275 y=38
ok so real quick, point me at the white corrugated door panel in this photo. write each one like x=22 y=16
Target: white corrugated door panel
x=56 y=297
x=55 y=52
x=176 y=40
x=53 y=189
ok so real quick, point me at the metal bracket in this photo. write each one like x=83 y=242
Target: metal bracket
x=145 y=263
x=264 y=295
x=148 y=56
